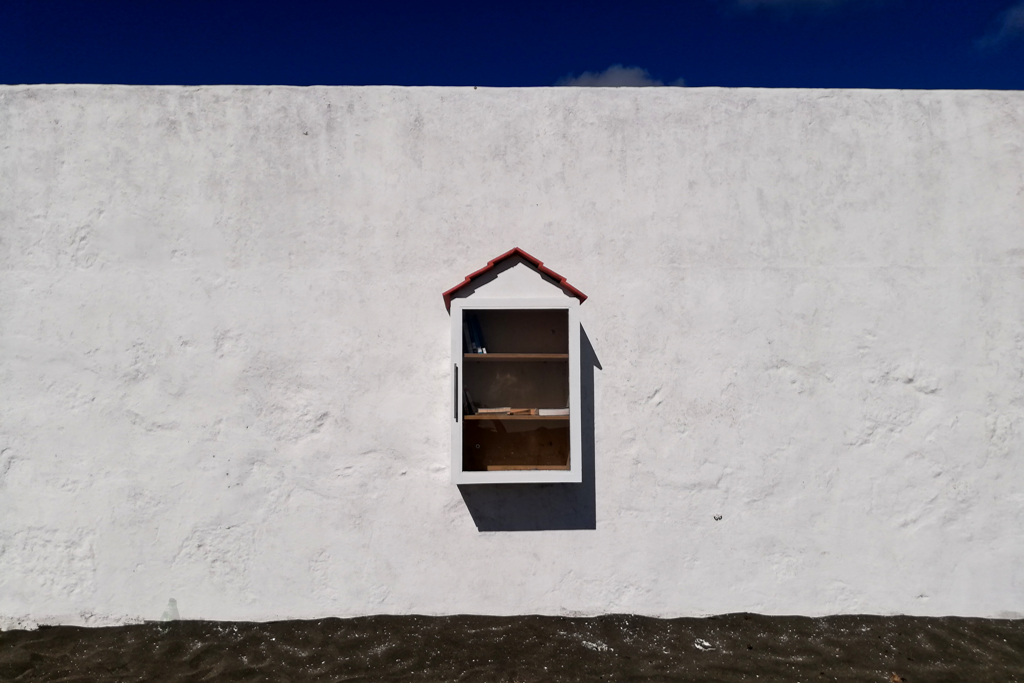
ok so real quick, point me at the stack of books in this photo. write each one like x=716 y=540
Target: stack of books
x=539 y=412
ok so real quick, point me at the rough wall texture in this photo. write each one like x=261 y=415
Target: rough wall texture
x=224 y=362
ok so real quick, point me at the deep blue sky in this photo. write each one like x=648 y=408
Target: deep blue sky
x=769 y=43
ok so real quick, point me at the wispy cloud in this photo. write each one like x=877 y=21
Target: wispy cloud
x=616 y=76
x=1008 y=26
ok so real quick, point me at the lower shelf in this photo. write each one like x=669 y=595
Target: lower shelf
x=495 y=445
x=503 y=468
x=506 y=416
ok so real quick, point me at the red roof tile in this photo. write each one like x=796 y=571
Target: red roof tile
x=509 y=254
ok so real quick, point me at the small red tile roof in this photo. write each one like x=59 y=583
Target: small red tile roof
x=534 y=261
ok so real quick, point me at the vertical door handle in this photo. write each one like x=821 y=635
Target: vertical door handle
x=455 y=403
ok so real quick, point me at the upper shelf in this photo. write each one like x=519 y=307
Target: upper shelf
x=516 y=356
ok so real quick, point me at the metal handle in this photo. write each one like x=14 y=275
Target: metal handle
x=455 y=405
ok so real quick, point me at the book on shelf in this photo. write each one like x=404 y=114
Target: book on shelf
x=552 y=412
x=493 y=411
x=476 y=335
x=469 y=408
x=467 y=340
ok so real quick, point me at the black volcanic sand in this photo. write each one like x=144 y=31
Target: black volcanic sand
x=735 y=647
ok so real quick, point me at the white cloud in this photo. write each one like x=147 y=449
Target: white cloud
x=1010 y=25
x=615 y=76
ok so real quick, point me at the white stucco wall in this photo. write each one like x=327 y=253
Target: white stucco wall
x=224 y=357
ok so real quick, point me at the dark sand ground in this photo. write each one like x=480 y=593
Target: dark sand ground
x=735 y=647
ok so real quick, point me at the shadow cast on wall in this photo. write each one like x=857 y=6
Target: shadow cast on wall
x=538 y=507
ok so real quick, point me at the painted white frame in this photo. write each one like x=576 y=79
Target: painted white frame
x=574 y=475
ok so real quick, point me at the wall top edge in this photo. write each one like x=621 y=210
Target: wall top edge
x=656 y=90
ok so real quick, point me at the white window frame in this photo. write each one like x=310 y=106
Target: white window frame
x=574 y=475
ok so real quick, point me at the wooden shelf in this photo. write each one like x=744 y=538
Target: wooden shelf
x=506 y=468
x=516 y=356
x=506 y=416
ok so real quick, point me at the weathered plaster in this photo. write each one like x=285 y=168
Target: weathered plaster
x=224 y=357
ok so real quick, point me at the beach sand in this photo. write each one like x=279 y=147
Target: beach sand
x=735 y=647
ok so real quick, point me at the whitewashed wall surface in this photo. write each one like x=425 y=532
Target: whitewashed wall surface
x=225 y=363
